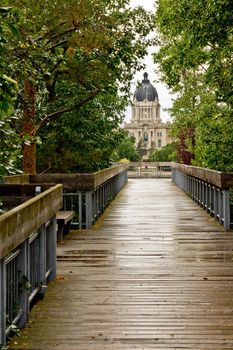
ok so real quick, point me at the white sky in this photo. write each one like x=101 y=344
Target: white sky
x=165 y=97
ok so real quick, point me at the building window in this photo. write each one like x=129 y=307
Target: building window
x=159 y=134
x=139 y=134
x=159 y=143
x=151 y=134
x=145 y=136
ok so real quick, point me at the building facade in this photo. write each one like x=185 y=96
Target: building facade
x=146 y=125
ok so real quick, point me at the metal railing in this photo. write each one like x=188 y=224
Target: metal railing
x=27 y=257
x=149 y=170
x=208 y=189
x=86 y=194
x=89 y=205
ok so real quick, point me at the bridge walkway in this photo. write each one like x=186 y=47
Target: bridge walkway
x=156 y=272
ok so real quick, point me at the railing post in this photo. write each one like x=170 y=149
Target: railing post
x=226 y=209
x=42 y=239
x=89 y=209
x=220 y=206
x=173 y=175
x=24 y=273
x=203 y=194
x=2 y=302
x=80 y=210
x=52 y=246
x=216 y=208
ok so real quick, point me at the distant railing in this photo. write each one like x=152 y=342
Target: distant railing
x=27 y=256
x=210 y=189
x=149 y=170
x=87 y=194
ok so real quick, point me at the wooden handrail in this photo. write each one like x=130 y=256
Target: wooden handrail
x=149 y=164
x=217 y=178
x=17 y=224
x=78 y=181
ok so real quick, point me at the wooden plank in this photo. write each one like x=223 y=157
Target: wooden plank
x=63 y=222
x=154 y=273
x=65 y=215
x=17 y=179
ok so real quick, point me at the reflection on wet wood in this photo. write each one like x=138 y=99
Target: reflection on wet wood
x=155 y=273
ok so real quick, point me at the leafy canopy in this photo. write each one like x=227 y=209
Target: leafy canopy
x=9 y=141
x=195 y=58
x=127 y=150
x=71 y=57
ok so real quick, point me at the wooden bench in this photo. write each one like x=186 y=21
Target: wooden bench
x=63 y=222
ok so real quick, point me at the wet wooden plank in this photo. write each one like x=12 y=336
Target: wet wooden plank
x=154 y=273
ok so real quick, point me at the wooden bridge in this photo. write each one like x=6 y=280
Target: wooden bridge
x=155 y=272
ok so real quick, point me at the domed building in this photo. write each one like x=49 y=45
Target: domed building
x=146 y=125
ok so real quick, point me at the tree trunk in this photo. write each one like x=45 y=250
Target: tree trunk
x=29 y=148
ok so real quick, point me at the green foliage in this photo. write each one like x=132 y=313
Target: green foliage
x=84 y=140
x=165 y=154
x=214 y=136
x=127 y=149
x=79 y=56
x=197 y=35
x=9 y=141
x=196 y=62
x=93 y=43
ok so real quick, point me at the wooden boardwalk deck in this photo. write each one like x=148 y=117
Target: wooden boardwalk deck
x=155 y=273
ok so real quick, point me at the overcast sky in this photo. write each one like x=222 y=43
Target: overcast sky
x=164 y=96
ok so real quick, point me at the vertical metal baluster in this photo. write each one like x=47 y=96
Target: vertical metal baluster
x=226 y=208
x=42 y=265
x=52 y=248
x=80 y=215
x=89 y=209
x=220 y=206
x=10 y=283
x=23 y=277
x=2 y=302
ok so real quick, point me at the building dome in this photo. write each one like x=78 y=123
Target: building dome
x=145 y=91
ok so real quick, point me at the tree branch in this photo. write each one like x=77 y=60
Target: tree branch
x=55 y=115
x=57 y=44
x=67 y=31
x=41 y=37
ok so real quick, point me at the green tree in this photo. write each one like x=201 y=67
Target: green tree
x=127 y=149
x=92 y=45
x=165 y=154
x=9 y=141
x=197 y=35
x=214 y=135
x=195 y=60
x=82 y=141
x=184 y=117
